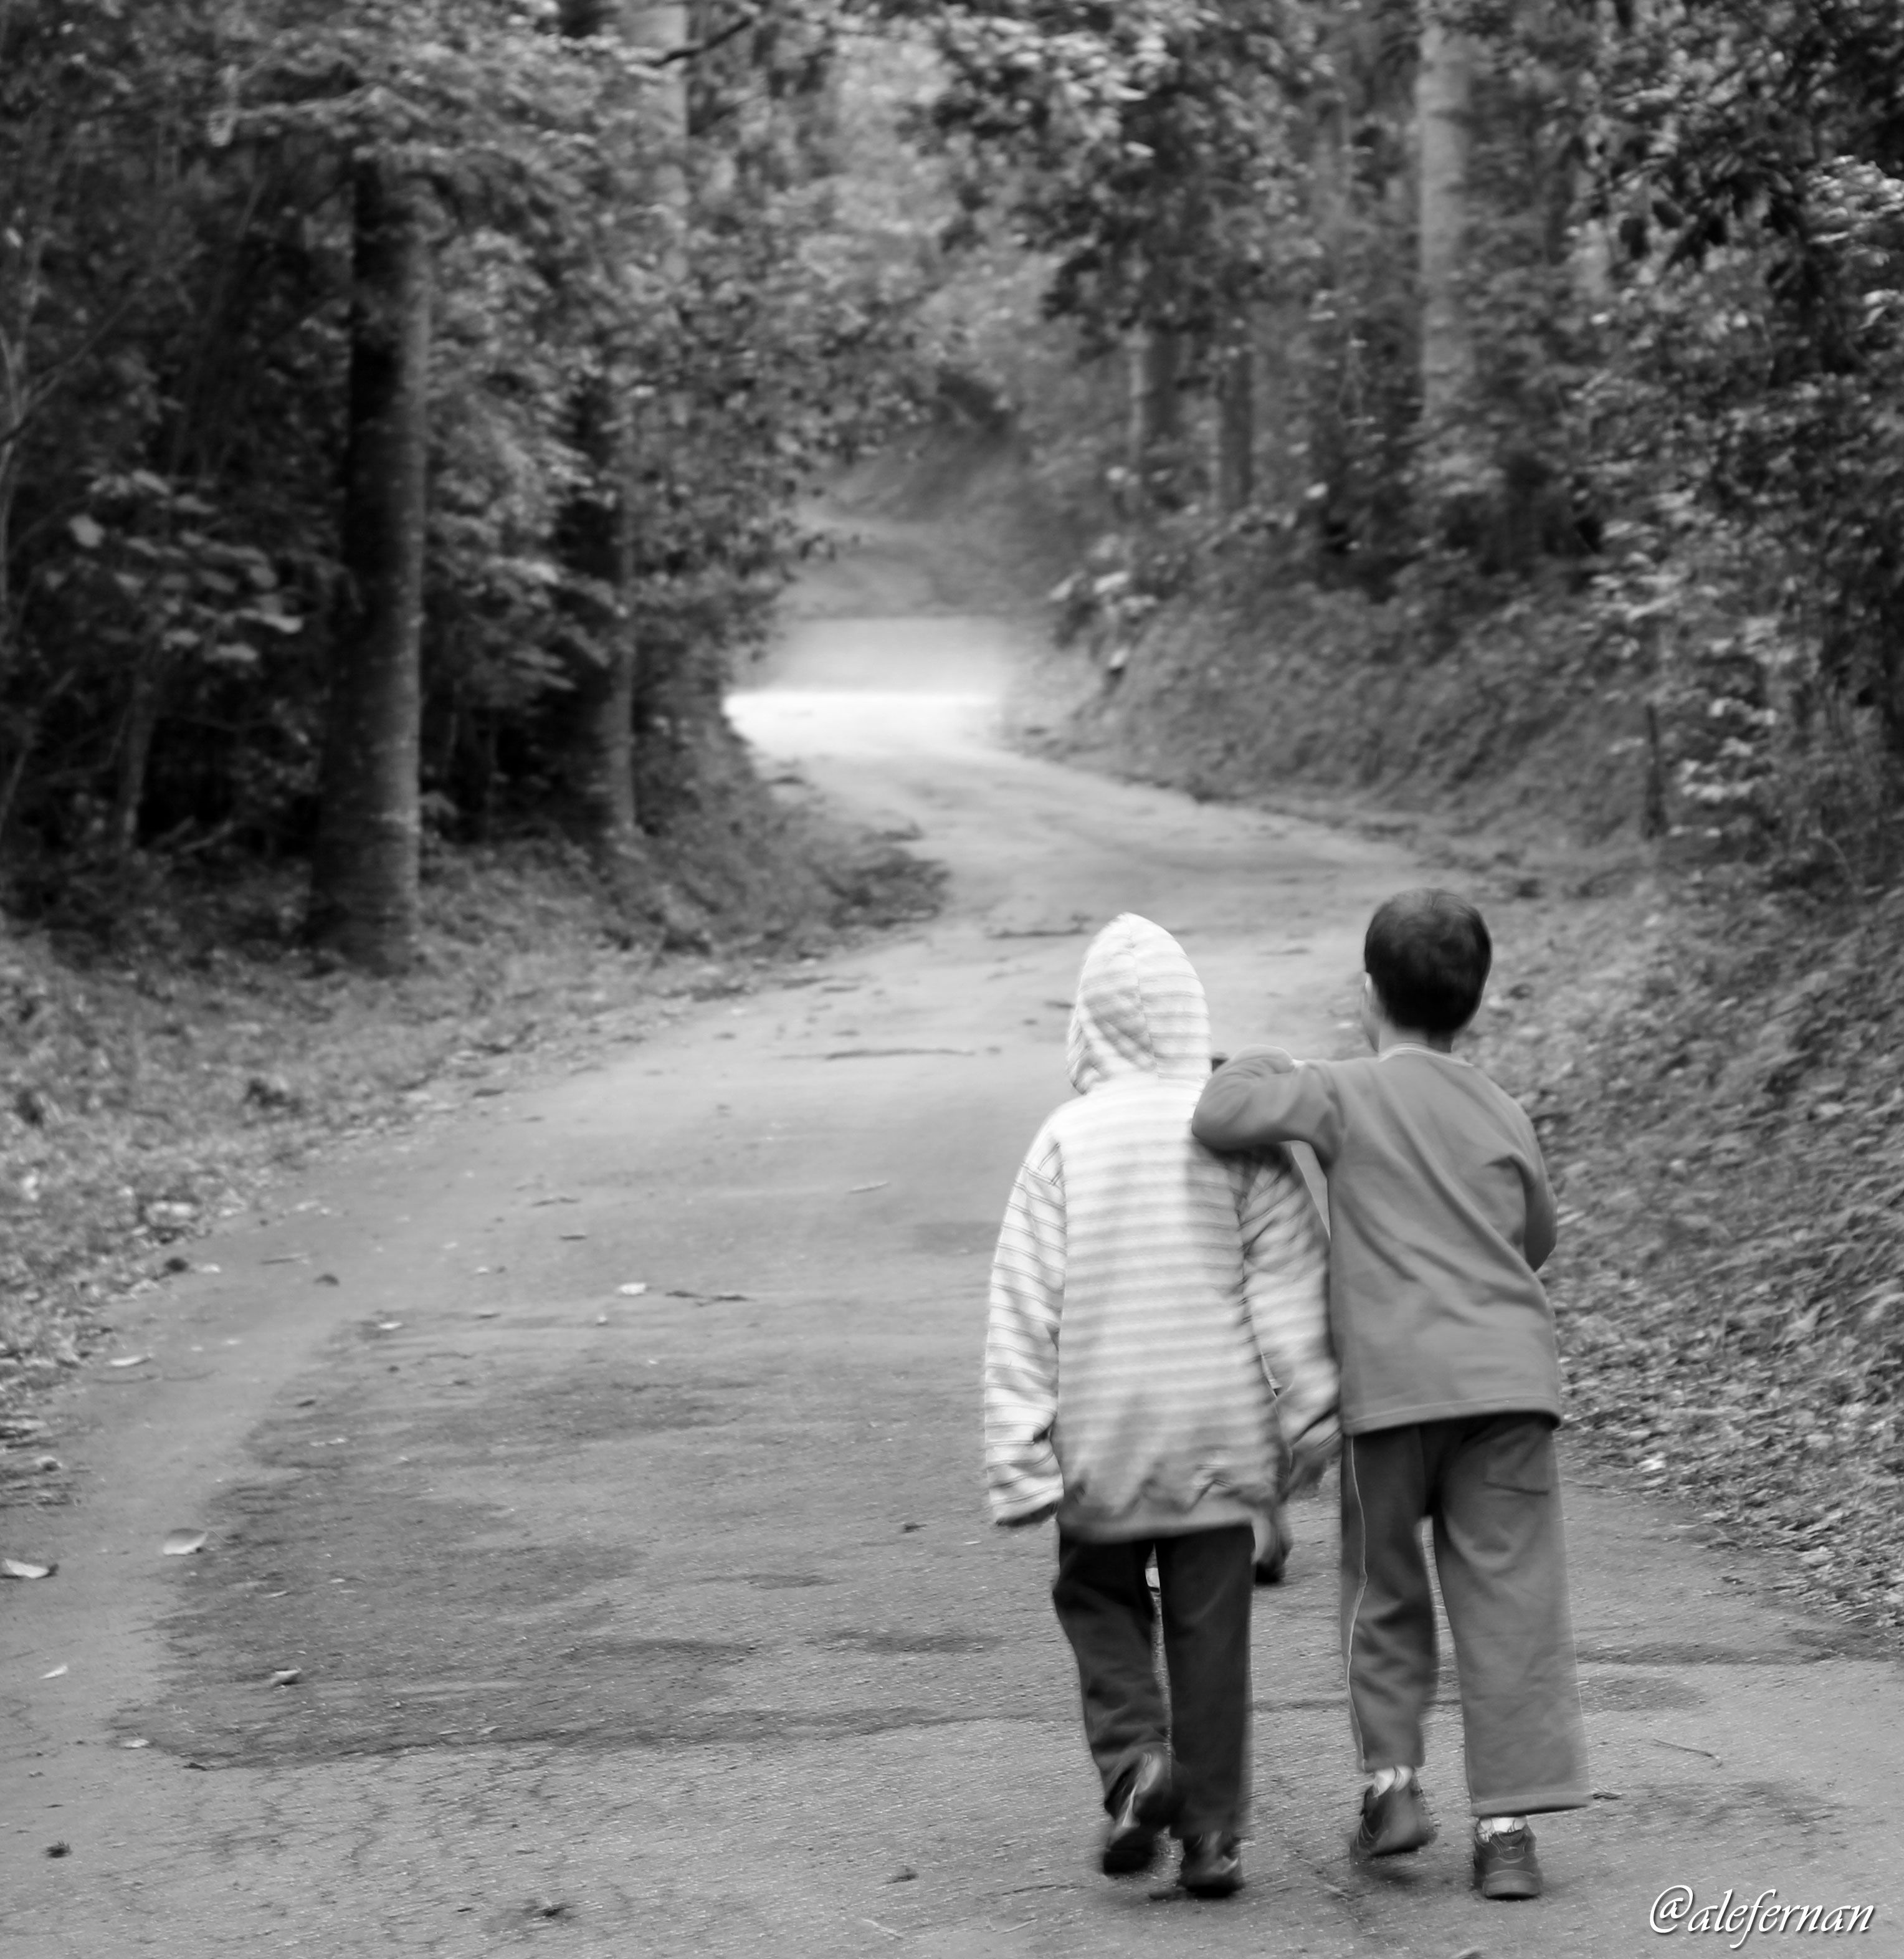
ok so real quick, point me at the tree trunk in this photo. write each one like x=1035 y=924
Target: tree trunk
x=135 y=750
x=1444 y=95
x=25 y=735
x=601 y=738
x=1155 y=416
x=1234 y=443
x=602 y=723
x=364 y=871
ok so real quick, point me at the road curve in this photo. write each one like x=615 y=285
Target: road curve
x=668 y=1621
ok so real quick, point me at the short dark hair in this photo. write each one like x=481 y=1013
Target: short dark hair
x=1429 y=953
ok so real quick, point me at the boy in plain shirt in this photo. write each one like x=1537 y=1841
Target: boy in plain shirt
x=1440 y=1211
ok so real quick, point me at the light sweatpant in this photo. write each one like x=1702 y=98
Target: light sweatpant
x=1489 y=1486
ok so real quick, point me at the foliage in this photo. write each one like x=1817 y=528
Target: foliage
x=175 y=261
x=1683 y=279
x=1747 y=433
x=1146 y=148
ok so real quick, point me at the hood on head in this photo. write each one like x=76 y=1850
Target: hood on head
x=1140 y=1008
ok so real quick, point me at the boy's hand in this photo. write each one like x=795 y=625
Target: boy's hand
x=1042 y=1515
x=1278 y=1059
x=1311 y=1452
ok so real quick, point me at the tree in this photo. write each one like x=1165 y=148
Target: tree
x=97 y=116
x=228 y=628
x=1444 y=108
x=1147 y=149
x=1758 y=195
x=603 y=519
x=364 y=897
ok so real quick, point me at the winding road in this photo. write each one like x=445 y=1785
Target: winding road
x=668 y=1621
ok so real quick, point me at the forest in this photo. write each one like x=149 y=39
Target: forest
x=406 y=413
x=403 y=416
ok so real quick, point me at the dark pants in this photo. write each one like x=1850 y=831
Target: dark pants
x=1489 y=1488
x=1104 y=1605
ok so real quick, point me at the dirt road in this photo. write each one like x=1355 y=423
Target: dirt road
x=670 y=1621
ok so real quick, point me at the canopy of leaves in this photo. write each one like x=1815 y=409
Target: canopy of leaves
x=1682 y=280
x=175 y=281
x=1148 y=148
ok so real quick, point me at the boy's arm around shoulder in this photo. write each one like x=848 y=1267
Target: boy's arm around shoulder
x=1285 y=1291
x=1027 y=1302
x=1261 y=1095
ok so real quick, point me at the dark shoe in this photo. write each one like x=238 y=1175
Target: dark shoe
x=1394 y=1822
x=1211 y=1867
x=1505 y=1866
x=1143 y=1808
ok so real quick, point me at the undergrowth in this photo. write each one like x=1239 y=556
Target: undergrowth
x=1506 y=701
x=1720 y=1089
x=1714 y=1052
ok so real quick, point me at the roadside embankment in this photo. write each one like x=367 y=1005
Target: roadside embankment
x=1717 y=1075
x=1477 y=714
x=1715 y=1063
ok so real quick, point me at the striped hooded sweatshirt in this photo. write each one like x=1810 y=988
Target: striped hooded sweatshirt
x=1147 y=1295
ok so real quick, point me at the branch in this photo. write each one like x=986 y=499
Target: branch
x=693 y=50
x=47 y=386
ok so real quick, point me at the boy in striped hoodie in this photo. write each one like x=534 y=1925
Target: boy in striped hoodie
x=1148 y=1298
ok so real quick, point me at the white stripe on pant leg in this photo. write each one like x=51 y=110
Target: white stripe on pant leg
x=1355 y=1612
x=1573 y=1645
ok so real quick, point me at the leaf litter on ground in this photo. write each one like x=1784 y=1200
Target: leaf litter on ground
x=142 y=1033
x=1717 y=1075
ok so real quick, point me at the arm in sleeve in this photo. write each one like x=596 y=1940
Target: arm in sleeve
x=1021 y=1351
x=1543 y=1228
x=1263 y=1096
x=1285 y=1290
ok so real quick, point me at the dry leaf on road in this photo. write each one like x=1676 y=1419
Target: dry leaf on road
x=14 y=1567
x=183 y=1543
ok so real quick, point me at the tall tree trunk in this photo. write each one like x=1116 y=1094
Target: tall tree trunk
x=1235 y=433
x=1156 y=420
x=602 y=723
x=1444 y=98
x=602 y=755
x=364 y=870
x=135 y=749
